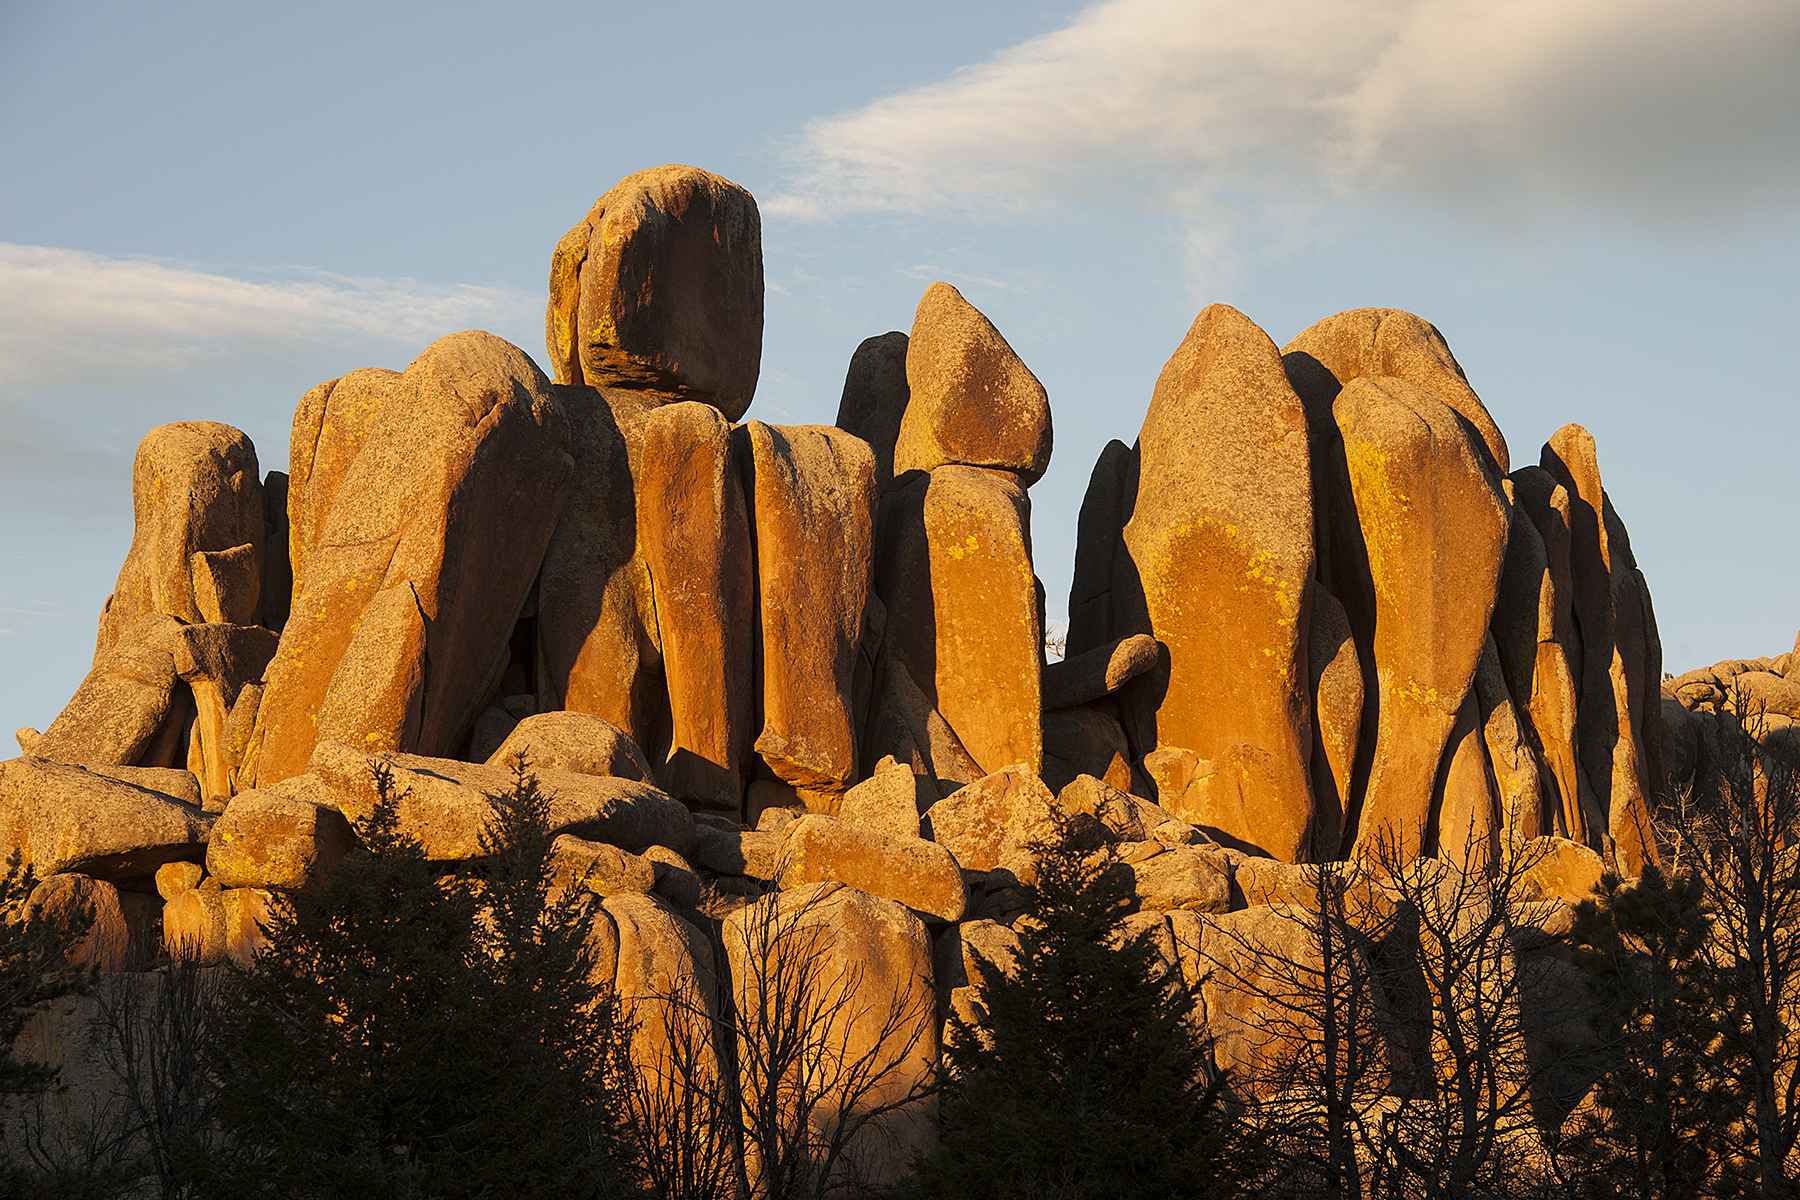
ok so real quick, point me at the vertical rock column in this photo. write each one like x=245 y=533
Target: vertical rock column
x=978 y=421
x=814 y=504
x=1221 y=536
x=695 y=531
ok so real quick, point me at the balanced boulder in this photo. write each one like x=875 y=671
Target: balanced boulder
x=66 y=818
x=572 y=741
x=972 y=402
x=907 y=870
x=196 y=552
x=659 y=289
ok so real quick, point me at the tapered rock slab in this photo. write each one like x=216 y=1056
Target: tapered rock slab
x=659 y=289
x=196 y=552
x=1391 y=342
x=427 y=555
x=703 y=573
x=973 y=401
x=1221 y=536
x=65 y=818
x=120 y=707
x=814 y=503
x=1433 y=520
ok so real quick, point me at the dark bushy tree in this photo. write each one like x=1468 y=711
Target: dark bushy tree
x=406 y=1034
x=1089 y=1080
x=1659 y=1125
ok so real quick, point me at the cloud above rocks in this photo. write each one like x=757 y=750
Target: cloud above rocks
x=1663 y=114
x=94 y=351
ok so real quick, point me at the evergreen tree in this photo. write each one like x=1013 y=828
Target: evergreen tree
x=1089 y=1080
x=1665 y=1100
x=405 y=1034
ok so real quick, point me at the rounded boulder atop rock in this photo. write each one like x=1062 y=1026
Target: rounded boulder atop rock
x=660 y=289
x=973 y=400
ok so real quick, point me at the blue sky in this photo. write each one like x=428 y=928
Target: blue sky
x=207 y=208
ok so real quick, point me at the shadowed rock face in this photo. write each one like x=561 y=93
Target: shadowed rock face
x=196 y=553
x=423 y=562
x=659 y=289
x=875 y=398
x=1221 y=537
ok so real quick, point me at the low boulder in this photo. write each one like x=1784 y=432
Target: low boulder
x=887 y=800
x=973 y=822
x=284 y=837
x=910 y=871
x=572 y=741
x=1184 y=877
x=444 y=803
x=602 y=869
x=65 y=818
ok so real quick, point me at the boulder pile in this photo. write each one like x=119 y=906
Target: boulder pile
x=1316 y=613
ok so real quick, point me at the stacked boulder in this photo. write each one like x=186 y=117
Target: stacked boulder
x=800 y=671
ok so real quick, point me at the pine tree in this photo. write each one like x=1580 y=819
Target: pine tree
x=1664 y=1101
x=1089 y=1080
x=405 y=1034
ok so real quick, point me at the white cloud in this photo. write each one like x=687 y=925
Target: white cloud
x=1667 y=113
x=69 y=318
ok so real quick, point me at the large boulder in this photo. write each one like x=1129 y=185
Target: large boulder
x=875 y=398
x=66 y=818
x=665 y=978
x=196 y=553
x=1221 y=536
x=889 y=800
x=814 y=507
x=907 y=870
x=973 y=401
x=110 y=941
x=426 y=557
x=1391 y=342
x=659 y=289
x=695 y=531
x=597 y=647
x=1433 y=521
x=284 y=837
x=848 y=976
x=444 y=803
x=572 y=741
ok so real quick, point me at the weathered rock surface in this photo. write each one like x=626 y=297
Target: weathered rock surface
x=110 y=941
x=284 y=837
x=572 y=741
x=665 y=976
x=1557 y=869
x=426 y=556
x=1222 y=539
x=981 y=665
x=919 y=874
x=602 y=869
x=444 y=803
x=1337 y=695
x=875 y=945
x=1184 y=877
x=814 y=504
x=196 y=552
x=703 y=572
x=217 y=662
x=659 y=289
x=64 y=818
x=1085 y=741
x=1434 y=525
x=1390 y=342
x=875 y=398
x=973 y=401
